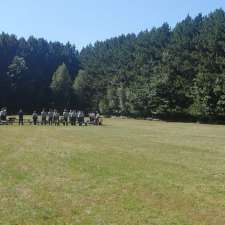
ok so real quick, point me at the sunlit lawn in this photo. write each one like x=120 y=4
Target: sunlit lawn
x=126 y=172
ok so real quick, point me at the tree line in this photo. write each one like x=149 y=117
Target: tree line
x=27 y=68
x=162 y=72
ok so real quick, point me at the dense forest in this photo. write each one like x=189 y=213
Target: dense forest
x=162 y=72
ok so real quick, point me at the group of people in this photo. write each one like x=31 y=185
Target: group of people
x=53 y=117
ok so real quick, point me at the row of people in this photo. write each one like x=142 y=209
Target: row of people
x=53 y=117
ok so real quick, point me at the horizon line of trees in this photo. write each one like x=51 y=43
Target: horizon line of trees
x=27 y=68
x=161 y=72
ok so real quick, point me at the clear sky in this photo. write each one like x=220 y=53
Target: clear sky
x=84 y=21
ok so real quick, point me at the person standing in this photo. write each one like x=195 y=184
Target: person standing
x=1 y=111
x=97 y=117
x=50 y=117
x=20 y=114
x=92 y=117
x=70 y=117
x=56 y=118
x=80 y=117
x=65 y=117
x=43 y=117
x=74 y=118
x=35 y=118
x=4 y=114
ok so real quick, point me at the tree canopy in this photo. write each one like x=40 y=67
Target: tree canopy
x=160 y=72
x=61 y=86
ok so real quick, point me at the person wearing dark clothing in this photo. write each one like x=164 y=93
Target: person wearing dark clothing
x=20 y=114
x=70 y=117
x=50 y=117
x=73 y=118
x=56 y=118
x=43 y=117
x=65 y=117
x=97 y=118
x=35 y=117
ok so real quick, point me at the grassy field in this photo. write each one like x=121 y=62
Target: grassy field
x=126 y=172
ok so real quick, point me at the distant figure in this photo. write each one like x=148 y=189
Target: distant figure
x=50 y=117
x=20 y=114
x=43 y=117
x=80 y=117
x=35 y=117
x=1 y=111
x=3 y=114
x=70 y=117
x=97 y=119
x=56 y=118
x=92 y=117
x=65 y=117
x=73 y=118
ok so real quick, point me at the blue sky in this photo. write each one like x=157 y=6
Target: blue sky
x=84 y=21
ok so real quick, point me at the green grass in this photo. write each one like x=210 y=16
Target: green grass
x=126 y=172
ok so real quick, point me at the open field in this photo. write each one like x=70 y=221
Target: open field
x=126 y=172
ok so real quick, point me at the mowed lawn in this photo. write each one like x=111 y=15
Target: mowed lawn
x=125 y=172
